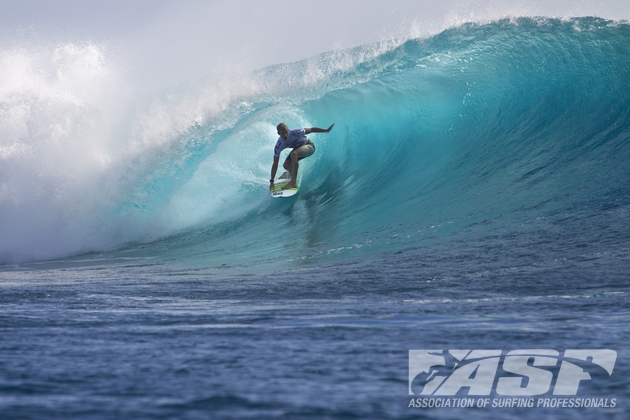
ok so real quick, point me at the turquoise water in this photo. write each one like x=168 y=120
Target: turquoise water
x=474 y=193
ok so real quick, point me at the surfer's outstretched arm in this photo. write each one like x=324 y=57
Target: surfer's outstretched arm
x=318 y=130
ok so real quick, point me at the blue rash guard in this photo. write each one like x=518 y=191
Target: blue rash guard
x=296 y=139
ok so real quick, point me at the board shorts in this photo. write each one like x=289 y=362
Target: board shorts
x=302 y=157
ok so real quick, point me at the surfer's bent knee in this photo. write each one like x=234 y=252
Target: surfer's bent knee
x=304 y=151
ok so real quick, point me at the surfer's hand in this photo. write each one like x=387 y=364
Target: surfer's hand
x=270 y=186
x=330 y=128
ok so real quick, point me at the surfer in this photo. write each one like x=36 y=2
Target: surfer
x=302 y=147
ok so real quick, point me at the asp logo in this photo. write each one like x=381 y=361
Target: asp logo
x=524 y=372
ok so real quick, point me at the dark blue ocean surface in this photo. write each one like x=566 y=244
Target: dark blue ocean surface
x=474 y=194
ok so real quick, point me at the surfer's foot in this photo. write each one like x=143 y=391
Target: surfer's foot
x=289 y=185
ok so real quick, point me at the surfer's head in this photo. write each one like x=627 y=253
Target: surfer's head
x=283 y=130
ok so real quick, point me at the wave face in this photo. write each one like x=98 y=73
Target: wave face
x=514 y=133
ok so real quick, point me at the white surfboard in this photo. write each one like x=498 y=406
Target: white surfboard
x=284 y=179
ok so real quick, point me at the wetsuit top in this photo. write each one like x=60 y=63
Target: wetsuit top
x=296 y=139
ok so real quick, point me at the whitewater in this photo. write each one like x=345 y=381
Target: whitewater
x=474 y=194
